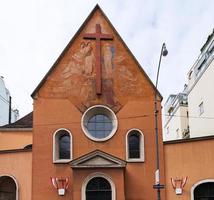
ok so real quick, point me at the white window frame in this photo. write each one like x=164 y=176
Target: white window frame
x=56 y=136
x=16 y=183
x=197 y=184
x=93 y=111
x=142 y=149
x=98 y=174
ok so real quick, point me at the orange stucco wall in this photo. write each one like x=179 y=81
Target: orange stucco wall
x=192 y=159
x=15 y=139
x=69 y=90
x=19 y=166
x=139 y=177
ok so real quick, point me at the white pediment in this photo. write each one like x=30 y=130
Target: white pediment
x=98 y=159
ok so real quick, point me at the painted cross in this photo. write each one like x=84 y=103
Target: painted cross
x=98 y=36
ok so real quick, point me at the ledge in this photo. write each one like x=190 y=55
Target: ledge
x=16 y=129
x=210 y=137
x=15 y=151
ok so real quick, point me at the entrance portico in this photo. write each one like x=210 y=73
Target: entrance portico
x=98 y=172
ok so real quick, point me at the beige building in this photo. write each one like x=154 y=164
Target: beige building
x=176 y=127
x=188 y=169
x=16 y=159
x=192 y=113
x=188 y=161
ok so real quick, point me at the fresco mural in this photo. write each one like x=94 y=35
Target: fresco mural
x=95 y=63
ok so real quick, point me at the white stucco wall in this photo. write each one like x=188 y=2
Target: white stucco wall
x=202 y=125
x=4 y=105
x=176 y=124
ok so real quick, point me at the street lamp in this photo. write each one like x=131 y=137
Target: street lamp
x=157 y=185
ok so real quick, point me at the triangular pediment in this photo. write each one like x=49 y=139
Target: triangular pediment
x=98 y=159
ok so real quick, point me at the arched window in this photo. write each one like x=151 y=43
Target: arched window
x=8 y=188
x=98 y=186
x=62 y=146
x=204 y=191
x=135 y=146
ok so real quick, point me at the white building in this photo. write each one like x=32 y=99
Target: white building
x=4 y=105
x=176 y=117
x=196 y=117
x=201 y=92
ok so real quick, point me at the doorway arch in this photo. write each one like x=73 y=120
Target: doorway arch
x=8 y=187
x=98 y=183
x=203 y=190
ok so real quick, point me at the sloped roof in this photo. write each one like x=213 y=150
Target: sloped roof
x=24 y=122
x=97 y=7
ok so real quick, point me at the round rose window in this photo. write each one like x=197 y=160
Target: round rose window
x=99 y=123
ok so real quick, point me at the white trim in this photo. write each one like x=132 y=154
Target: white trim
x=94 y=110
x=55 y=156
x=197 y=184
x=98 y=174
x=14 y=179
x=142 y=149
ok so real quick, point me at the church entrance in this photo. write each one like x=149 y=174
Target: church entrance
x=7 y=188
x=98 y=188
x=97 y=174
x=204 y=191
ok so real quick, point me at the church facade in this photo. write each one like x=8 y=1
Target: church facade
x=93 y=131
x=93 y=126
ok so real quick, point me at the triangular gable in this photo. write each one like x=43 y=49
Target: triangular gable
x=73 y=39
x=98 y=159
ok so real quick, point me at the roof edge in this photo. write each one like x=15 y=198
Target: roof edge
x=16 y=129
x=64 y=51
x=195 y=139
x=15 y=151
x=75 y=36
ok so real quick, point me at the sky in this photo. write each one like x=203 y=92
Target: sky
x=33 y=33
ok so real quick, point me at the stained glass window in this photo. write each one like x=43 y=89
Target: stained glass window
x=99 y=126
x=134 y=145
x=64 y=146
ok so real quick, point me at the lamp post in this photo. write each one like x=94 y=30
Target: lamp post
x=157 y=185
